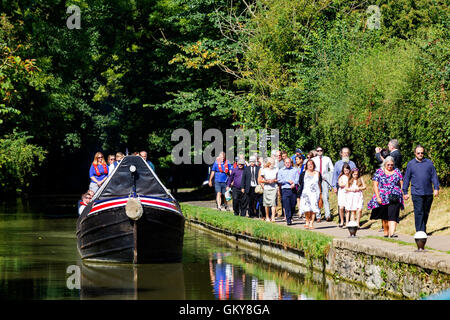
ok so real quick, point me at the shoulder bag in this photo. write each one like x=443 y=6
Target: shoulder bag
x=259 y=189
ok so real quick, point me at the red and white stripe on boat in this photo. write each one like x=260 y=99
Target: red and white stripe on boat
x=152 y=202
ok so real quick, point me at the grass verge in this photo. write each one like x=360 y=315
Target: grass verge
x=314 y=245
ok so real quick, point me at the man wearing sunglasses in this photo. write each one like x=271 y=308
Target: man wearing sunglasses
x=421 y=173
x=325 y=167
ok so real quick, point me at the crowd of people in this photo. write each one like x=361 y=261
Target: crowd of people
x=100 y=170
x=281 y=186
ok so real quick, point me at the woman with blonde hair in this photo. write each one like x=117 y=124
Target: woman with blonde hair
x=98 y=172
x=268 y=177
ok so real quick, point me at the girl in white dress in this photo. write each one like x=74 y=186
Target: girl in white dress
x=342 y=193
x=354 y=189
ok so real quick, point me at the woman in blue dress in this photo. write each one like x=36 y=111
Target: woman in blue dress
x=388 y=198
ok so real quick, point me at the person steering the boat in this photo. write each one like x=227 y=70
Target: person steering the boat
x=85 y=199
x=98 y=172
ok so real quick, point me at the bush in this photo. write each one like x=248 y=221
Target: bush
x=316 y=72
x=396 y=90
x=367 y=101
x=18 y=162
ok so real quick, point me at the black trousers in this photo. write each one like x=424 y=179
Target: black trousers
x=260 y=210
x=240 y=202
x=422 y=206
x=252 y=202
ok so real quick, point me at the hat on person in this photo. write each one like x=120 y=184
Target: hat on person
x=241 y=161
x=298 y=151
x=252 y=159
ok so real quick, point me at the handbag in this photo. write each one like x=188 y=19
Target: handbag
x=393 y=198
x=228 y=195
x=259 y=189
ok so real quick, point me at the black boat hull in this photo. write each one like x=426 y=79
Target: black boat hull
x=111 y=227
x=111 y=236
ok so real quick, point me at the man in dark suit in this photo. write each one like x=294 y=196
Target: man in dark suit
x=249 y=182
x=393 y=152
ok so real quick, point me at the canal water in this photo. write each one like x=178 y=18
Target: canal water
x=39 y=260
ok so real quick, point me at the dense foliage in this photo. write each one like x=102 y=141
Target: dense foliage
x=316 y=71
x=137 y=70
x=19 y=160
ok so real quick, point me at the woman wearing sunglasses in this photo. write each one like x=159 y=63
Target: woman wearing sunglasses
x=98 y=172
x=388 y=198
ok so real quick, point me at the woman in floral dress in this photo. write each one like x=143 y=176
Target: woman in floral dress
x=310 y=189
x=387 y=199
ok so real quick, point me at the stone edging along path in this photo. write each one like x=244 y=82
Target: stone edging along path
x=379 y=265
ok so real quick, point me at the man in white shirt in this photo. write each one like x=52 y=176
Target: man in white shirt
x=325 y=166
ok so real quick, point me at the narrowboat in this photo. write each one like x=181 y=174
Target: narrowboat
x=132 y=218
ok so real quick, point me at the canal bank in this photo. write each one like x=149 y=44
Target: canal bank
x=392 y=266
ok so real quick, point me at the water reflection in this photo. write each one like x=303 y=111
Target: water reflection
x=231 y=281
x=242 y=279
x=143 y=282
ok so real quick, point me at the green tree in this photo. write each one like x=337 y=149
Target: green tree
x=19 y=160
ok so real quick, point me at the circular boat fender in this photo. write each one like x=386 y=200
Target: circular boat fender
x=134 y=209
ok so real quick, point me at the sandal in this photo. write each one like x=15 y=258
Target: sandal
x=306 y=226
x=394 y=236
